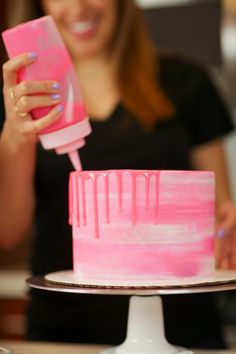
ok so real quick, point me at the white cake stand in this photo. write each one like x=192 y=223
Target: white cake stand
x=145 y=328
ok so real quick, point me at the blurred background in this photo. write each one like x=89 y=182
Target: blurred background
x=201 y=29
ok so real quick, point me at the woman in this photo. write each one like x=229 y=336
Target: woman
x=147 y=112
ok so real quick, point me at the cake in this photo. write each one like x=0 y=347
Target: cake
x=142 y=224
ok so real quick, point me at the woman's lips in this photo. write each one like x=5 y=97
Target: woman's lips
x=83 y=29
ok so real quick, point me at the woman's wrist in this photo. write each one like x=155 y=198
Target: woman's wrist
x=15 y=143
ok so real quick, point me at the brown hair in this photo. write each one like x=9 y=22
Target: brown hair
x=140 y=90
x=138 y=69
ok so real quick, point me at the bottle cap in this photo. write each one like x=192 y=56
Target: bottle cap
x=68 y=140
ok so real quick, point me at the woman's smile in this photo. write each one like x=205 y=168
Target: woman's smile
x=86 y=27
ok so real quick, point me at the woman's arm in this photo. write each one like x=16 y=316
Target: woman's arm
x=18 y=147
x=16 y=189
x=211 y=156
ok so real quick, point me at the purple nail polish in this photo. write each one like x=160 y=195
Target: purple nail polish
x=220 y=233
x=60 y=108
x=32 y=55
x=56 y=85
x=55 y=97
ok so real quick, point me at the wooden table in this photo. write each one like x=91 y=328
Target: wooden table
x=19 y=347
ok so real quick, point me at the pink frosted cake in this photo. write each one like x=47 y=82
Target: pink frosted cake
x=142 y=224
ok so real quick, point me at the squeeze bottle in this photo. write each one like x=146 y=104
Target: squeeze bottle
x=53 y=62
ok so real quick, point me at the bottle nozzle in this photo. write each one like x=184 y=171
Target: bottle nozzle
x=68 y=140
x=75 y=160
x=71 y=150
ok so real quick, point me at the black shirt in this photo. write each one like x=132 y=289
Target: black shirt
x=120 y=142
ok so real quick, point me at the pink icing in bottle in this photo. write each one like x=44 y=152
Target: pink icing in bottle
x=66 y=135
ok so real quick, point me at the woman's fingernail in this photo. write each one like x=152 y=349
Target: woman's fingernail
x=220 y=233
x=60 y=108
x=32 y=55
x=56 y=96
x=56 y=86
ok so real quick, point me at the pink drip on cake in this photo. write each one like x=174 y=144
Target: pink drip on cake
x=142 y=224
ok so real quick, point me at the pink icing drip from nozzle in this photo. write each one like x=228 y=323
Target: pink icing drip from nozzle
x=120 y=189
x=93 y=176
x=75 y=160
x=157 y=188
x=95 y=204
x=107 y=201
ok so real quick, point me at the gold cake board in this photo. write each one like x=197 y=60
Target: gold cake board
x=69 y=277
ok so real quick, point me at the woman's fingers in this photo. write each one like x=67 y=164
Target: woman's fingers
x=31 y=87
x=226 y=236
x=29 y=126
x=12 y=66
x=226 y=223
x=224 y=253
x=27 y=103
x=21 y=98
x=220 y=254
x=233 y=255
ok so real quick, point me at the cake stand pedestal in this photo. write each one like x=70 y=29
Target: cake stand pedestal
x=145 y=328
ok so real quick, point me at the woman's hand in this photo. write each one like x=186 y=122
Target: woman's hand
x=226 y=236
x=21 y=98
x=211 y=157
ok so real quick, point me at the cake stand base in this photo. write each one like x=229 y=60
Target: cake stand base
x=119 y=350
x=145 y=329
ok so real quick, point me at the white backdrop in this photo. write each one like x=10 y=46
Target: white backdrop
x=155 y=3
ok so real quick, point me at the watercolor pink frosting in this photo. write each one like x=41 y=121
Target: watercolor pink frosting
x=142 y=224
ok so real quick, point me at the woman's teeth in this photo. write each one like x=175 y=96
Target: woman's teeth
x=81 y=27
